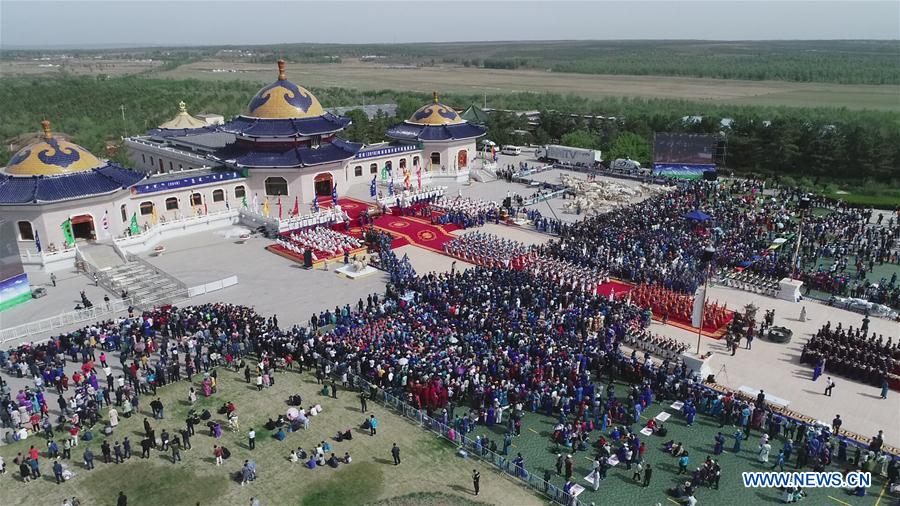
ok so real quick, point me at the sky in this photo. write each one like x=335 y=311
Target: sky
x=122 y=23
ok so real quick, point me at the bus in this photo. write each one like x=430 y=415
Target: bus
x=511 y=150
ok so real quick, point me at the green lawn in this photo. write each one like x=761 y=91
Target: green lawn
x=618 y=488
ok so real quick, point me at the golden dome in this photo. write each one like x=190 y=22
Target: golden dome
x=51 y=157
x=435 y=113
x=284 y=100
x=183 y=120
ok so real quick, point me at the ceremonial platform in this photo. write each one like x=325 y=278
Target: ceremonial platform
x=417 y=231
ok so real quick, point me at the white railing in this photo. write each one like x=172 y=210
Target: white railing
x=212 y=287
x=49 y=325
x=148 y=238
x=174 y=151
x=325 y=216
x=408 y=197
x=47 y=257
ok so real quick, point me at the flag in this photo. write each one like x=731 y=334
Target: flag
x=419 y=177
x=406 y=178
x=279 y=207
x=244 y=202
x=104 y=224
x=315 y=204
x=296 y=211
x=37 y=241
x=135 y=229
x=68 y=233
x=255 y=202
x=699 y=299
x=266 y=207
x=391 y=187
x=384 y=172
x=373 y=188
x=334 y=194
x=154 y=217
x=494 y=153
x=205 y=206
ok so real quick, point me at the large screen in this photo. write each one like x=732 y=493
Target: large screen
x=10 y=261
x=684 y=148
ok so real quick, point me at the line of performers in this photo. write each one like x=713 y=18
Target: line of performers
x=489 y=250
x=669 y=304
x=321 y=240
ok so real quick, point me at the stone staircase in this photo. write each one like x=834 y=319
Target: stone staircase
x=144 y=283
x=482 y=175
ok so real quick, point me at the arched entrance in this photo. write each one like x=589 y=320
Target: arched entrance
x=83 y=227
x=462 y=159
x=323 y=184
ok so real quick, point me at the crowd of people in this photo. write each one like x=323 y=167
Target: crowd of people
x=464 y=212
x=485 y=249
x=323 y=242
x=856 y=354
x=667 y=304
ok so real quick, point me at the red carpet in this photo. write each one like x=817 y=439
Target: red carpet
x=417 y=231
x=616 y=288
x=351 y=206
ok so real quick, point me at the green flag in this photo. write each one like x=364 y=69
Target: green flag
x=244 y=201
x=68 y=233
x=135 y=229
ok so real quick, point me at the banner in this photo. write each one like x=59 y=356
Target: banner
x=334 y=194
x=68 y=233
x=699 y=299
x=37 y=241
x=373 y=189
x=135 y=229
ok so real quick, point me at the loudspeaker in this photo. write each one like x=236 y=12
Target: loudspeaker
x=307 y=259
x=707 y=254
x=710 y=175
x=507 y=203
x=805 y=203
x=711 y=378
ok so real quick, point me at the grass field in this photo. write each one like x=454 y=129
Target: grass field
x=458 y=79
x=430 y=474
x=618 y=488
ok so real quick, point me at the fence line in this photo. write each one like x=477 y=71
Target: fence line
x=432 y=425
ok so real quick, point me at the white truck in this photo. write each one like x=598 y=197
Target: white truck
x=569 y=156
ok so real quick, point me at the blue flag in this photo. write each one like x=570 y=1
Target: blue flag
x=37 y=241
x=334 y=194
x=373 y=189
x=316 y=204
x=391 y=187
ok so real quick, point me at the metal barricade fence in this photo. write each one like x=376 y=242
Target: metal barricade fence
x=500 y=462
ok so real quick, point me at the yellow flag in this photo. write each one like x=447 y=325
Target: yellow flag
x=266 y=207
x=154 y=217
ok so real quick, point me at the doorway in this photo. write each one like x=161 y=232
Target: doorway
x=323 y=184
x=83 y=227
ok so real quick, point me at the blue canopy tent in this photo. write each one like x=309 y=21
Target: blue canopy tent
x=697 y=215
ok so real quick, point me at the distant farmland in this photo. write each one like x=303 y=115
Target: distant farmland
x=470 y=80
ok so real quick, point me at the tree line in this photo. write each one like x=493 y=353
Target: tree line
x=826 y=143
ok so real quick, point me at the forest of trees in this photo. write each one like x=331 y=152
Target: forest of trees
x=832 y=61
x=832 y=144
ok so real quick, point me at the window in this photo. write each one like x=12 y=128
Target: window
x=152 y=163
x=171 y=166
x=146 y=208
x=26 y=233
x=240 y=191
x=415 y=161
x=218 y=195
x=402 y=163
x=171 y=203
x=462 y=159
x=161 y=169
x=373 y=169
x=124 y=210
x=143 y=158
x=196 y=199
x=357 y=171
x=180 y=167
x=276 y=186
x=436 y=159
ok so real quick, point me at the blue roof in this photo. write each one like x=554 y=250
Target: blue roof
x=411 y=132
x=303 y=127
x=240 y=156
x=34 y=189
x=179 y=132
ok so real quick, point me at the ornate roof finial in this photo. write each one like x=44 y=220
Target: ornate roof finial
x=281 y=76
x=182 y=106
x=434 y=96
x=48 y=134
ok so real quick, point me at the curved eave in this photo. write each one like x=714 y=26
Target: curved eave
x=263 y=128
x=106 y=180
x=337 y=151
x=165 y=133
x=407 y=131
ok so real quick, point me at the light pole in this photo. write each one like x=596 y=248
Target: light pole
x=706 y=256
